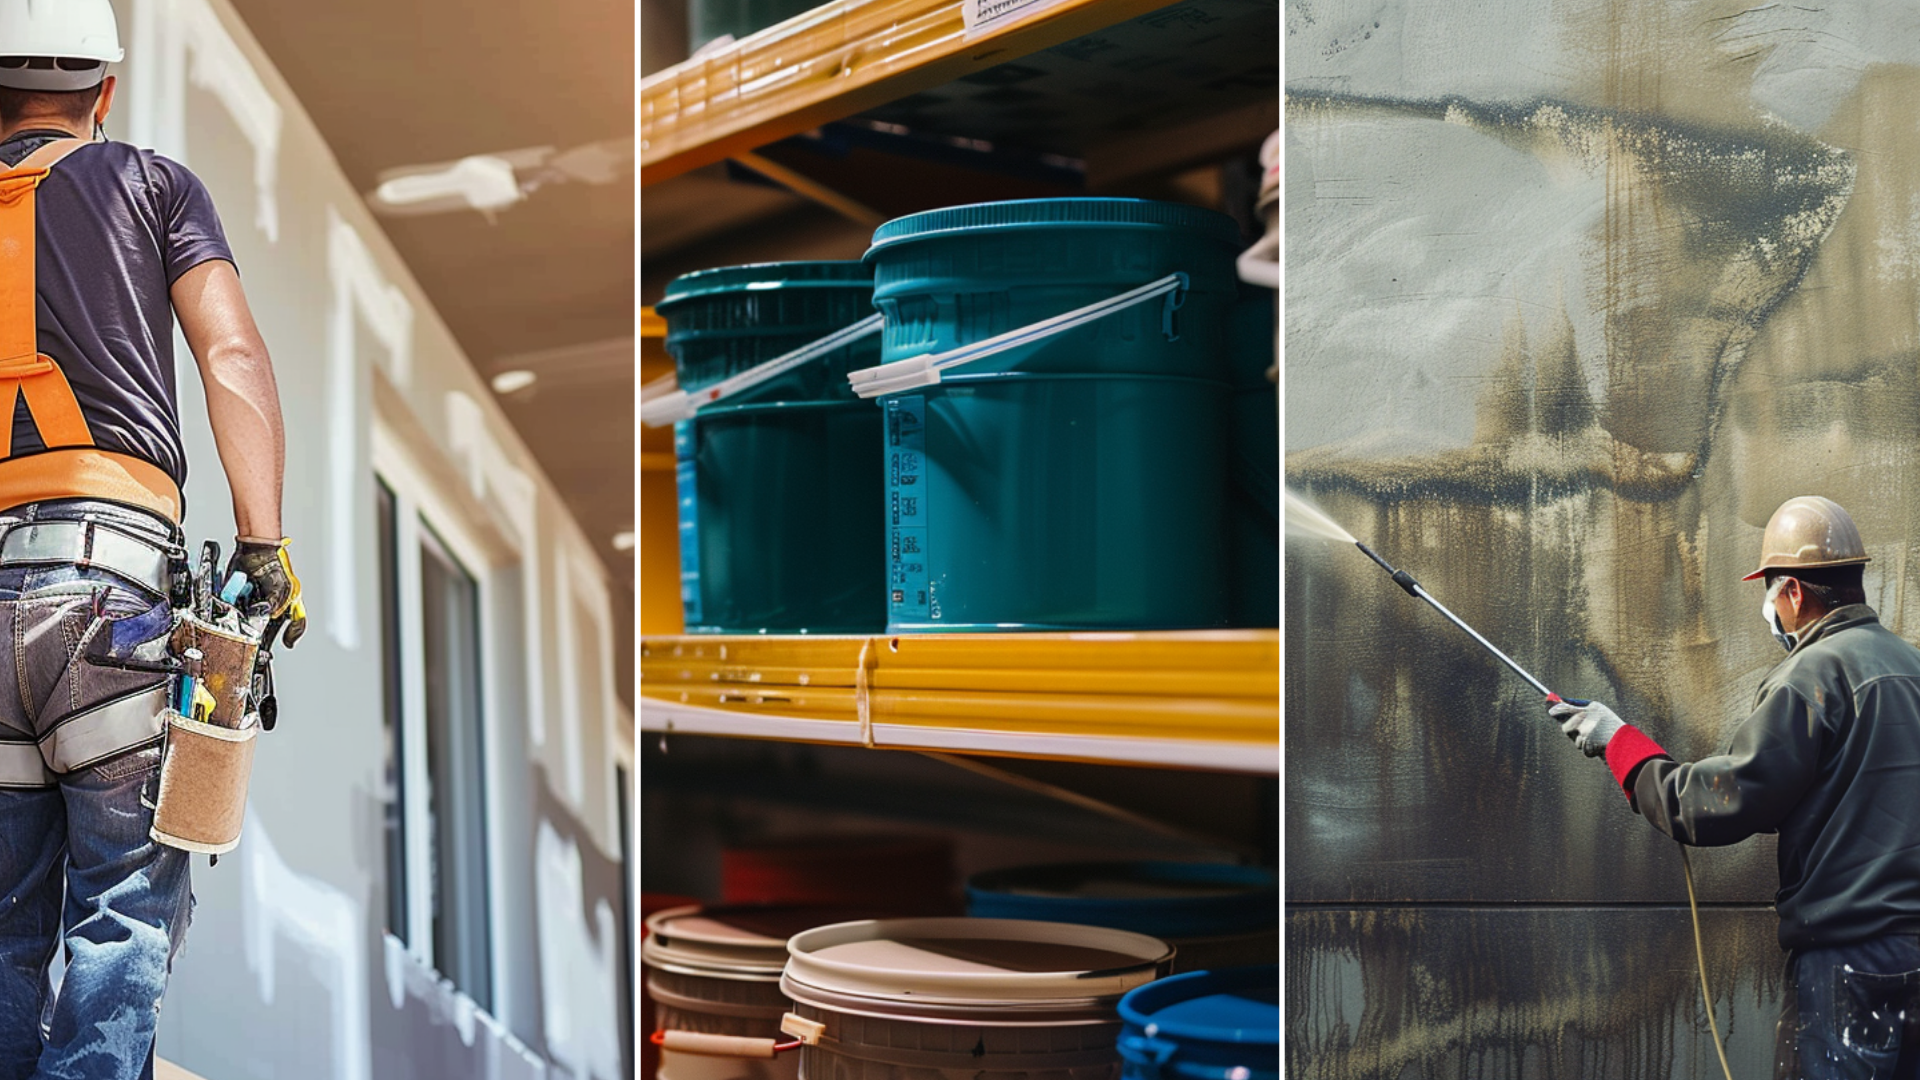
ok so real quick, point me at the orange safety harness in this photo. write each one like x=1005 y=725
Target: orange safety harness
x=72 y=466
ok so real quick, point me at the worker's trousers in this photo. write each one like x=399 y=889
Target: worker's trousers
x=1852 y=1012
x=86 y=896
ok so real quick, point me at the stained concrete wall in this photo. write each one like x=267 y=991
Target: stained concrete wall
x=287 y=971
x=1576 y=295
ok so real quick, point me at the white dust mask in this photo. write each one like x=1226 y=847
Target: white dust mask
x=1772 y=615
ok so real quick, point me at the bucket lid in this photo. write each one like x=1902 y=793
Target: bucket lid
x=733 y=939
x=1165 y=899
x=1235 y=1005
x=973 y=961
x=1022 y=212
x=753 y=277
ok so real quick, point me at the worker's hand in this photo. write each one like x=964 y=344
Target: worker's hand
x=275 y=591
x=1589 y=725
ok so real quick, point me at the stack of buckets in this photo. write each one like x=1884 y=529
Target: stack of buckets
x=952 y=998
x=1109 y=476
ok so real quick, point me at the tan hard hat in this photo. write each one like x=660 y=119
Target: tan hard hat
x=1808 y=532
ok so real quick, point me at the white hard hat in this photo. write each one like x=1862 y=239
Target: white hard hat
x=57 y=44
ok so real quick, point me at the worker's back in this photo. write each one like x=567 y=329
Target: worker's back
x=116 y=225
x=1850 y=850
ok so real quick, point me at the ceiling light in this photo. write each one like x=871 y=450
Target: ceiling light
x=624 y=541
x=508 y=382
x=483 y=182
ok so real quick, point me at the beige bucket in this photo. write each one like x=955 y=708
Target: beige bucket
x=963 y=999
x=713 y=975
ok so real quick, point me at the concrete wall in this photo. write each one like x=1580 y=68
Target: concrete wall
x=287 y=971
x=1576 y=295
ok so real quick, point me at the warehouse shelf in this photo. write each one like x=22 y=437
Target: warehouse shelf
x=833 y=62
x=1204 y=699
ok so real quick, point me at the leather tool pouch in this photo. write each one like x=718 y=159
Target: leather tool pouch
x=228 y=673
x=203 y=784
x=207 y=762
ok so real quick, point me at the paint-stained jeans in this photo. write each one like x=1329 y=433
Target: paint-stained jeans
x=127 y=900
x=1852 y=1013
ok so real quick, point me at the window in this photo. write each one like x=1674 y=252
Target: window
x=433 y=617
x=394 y=782
x=456 y=798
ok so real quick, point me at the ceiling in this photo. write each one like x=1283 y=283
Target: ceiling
x=544 y=285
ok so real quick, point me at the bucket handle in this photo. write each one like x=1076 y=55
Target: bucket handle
x=677 y=405
x=805 y=1033
x=1149 y=1052
x=924 y=370
x=732 y=1046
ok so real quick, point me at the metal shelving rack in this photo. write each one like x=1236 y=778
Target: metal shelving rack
x=1205 y=700
x=832 y=62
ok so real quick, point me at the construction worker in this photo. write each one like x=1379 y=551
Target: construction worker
x=1830 y=760
x=101 y=246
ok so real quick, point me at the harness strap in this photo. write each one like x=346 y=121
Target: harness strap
x=73 y=466
x=24 y=369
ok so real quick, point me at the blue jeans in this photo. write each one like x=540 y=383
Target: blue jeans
x=77 y=866
x=1853 y=1012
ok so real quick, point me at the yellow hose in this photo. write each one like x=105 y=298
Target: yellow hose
x=1700 y=955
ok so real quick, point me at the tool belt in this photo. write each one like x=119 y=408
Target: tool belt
x=88 y=544
x=223 y=698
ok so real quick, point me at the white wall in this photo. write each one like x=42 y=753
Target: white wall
x=286 y=946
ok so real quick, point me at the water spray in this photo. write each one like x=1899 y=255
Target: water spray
x=1304 y=517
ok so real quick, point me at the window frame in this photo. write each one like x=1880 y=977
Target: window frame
x=421 y=505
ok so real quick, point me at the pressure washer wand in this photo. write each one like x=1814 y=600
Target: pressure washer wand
x=1413 y=589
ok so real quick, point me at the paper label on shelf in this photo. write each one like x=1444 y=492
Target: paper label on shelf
x=986 y=16
x=908 y=591
x=685 y=472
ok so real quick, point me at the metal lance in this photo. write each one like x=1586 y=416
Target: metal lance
x=1413 y=589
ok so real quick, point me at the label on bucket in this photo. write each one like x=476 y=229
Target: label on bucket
x=907 y=573
x=685 y=473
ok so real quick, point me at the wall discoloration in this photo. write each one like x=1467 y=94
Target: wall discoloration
x=1576 y=296
x=1497 y=994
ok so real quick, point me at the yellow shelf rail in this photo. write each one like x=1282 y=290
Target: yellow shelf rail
x=1204 y=699
x=830 y=63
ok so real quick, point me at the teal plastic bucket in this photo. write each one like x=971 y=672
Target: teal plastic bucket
x=1073 y=482
x=781 y=524
x=1219 y=1025
x=1255 y=498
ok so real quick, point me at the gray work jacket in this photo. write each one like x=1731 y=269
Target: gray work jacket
x=1829 y=759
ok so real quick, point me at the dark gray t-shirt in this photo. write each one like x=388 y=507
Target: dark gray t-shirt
x=116 y=226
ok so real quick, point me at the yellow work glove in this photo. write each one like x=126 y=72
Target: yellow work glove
x=275 y=589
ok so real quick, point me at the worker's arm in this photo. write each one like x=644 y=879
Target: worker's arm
x=243 y=401
x=1772 y=759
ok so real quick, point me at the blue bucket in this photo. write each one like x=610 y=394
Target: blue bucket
x=1205 y=1025
x=1072 y=481
x=1214 y=914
